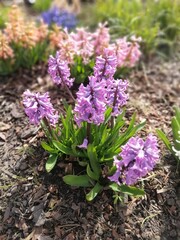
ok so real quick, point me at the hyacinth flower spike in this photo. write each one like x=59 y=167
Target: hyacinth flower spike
x=138 y=157
x=60 y=72
x=40 y=110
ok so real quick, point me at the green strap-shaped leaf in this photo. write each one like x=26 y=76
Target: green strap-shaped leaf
x=48 y=148
x=77 y=181
x=176 y=136
x=91 y=174
x=163 y=137
x=92 y=155
x=64 y=149
x=94 y=191
x=177 y=114
x=133 y=191
x=51 y=162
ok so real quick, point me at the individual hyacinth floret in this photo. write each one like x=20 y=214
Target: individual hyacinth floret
x=59 y=70
x=38 y=106
x=90 y=106
x=116 y=95
x=138 y=158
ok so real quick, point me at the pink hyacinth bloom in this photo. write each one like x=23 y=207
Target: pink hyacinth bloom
x=101 y=39
x=128 y=53
x=83 y=42
x=38 y=106
x=138 y=158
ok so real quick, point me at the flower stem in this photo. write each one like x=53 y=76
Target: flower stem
x=114 y=103
x=88 y=132
x=70 y=93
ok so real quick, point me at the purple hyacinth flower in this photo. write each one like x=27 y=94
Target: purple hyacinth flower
x=116 y=95
x=105 y=66
x=138 y=158
x=90 y=106
x=59 y=70
x=84 y=144
x=38 y=106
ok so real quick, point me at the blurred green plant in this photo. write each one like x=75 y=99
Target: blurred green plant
x=42 y=5
x=174 y=148
x=3 y=15
x=157 y=22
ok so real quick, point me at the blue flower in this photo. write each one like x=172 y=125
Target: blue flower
x=62 y=18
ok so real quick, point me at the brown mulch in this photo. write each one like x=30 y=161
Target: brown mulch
x=38 y=205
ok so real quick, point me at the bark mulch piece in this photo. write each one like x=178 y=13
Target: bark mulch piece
x=38 y=205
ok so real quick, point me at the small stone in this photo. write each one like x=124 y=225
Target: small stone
x=170 y=201
x=23 y=166
x=173 y=233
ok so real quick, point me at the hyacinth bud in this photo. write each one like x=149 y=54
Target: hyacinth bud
x=38 y=106
x=138 y=158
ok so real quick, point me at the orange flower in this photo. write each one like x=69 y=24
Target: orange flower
x=5 y=50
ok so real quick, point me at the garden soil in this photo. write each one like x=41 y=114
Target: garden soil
x=38 y=205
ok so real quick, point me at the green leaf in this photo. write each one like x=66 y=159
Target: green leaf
x=176 y=136
x=163 y=137
x=94 y=191
x=64 y=149
x=177 y=114
x=51 y=162
x=77 y=181
x=133 y=191
x=114 y=187
x=90 y=173
x=94 y=163
x=48 y=148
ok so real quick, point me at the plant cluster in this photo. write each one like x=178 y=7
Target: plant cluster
x=94 y=134
x=174 y=148
x=157 y=22
x=21 y=44
x=60 y=17
x=79 y=50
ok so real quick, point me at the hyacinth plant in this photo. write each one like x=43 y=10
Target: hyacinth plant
x=21 y=44
x=94 y=133
x=174 y=148
x=60 y=17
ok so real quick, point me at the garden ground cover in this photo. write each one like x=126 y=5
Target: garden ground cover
x=38 y=205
